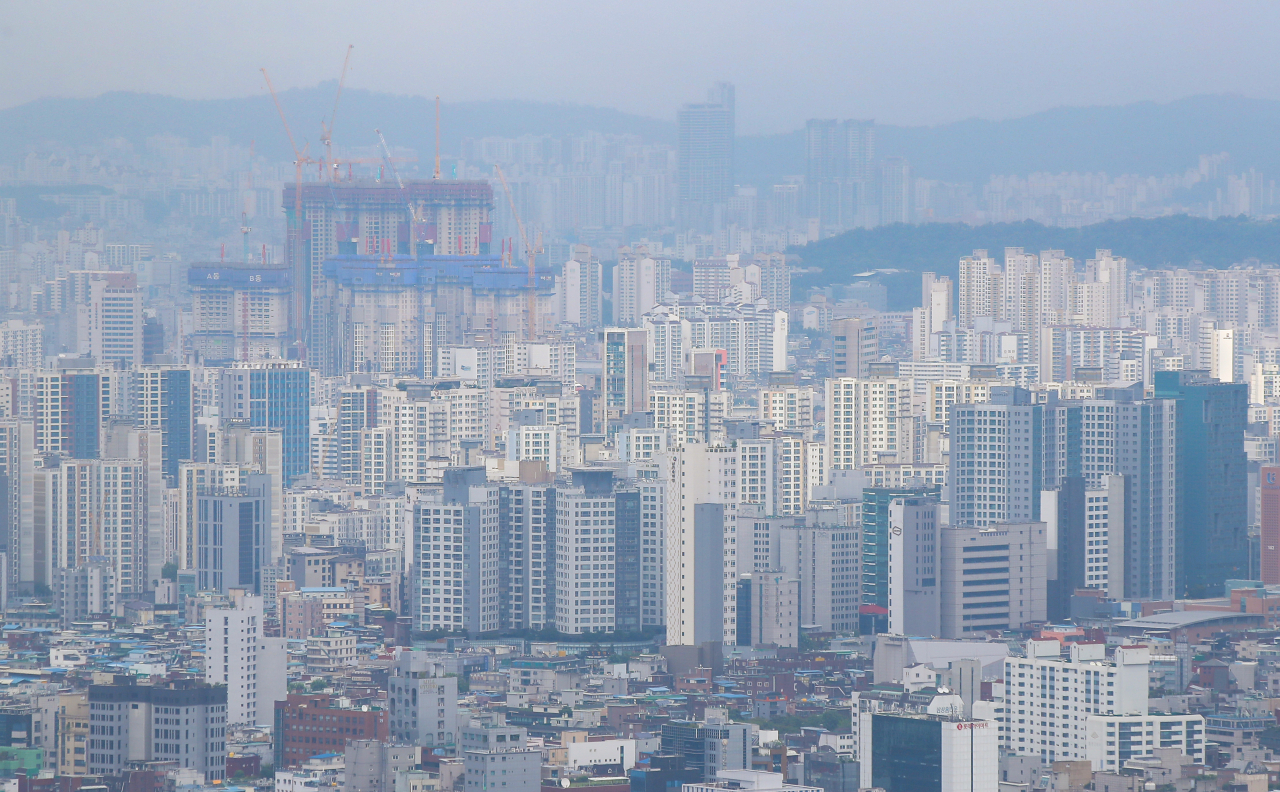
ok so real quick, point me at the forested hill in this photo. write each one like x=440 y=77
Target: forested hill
x=1176 y=241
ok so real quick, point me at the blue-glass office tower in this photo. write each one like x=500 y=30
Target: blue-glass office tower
x=875 y=538
x=82 y=415
x=1212 y=478
x=175 y=420
x=273 y=396
x=162 y=400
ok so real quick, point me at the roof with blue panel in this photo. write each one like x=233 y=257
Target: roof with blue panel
x=483 y=271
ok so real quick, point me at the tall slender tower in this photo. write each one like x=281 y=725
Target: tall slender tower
x=705 y=152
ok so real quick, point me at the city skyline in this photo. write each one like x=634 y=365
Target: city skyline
x=525 y=446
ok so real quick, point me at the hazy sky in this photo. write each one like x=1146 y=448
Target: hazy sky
x=912 y=63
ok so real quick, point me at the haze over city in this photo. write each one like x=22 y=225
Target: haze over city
x=925 y=63
x=531 y=397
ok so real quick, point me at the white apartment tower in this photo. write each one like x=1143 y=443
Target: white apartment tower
x=979 y=287
x=639 y=284
x=701 y=543
x=109 y=321
x=1072 y=708
x=936 y=309
x=868 y=421
x=586 y=554
x=580 y=282
x=455 y=571
x=250 y=665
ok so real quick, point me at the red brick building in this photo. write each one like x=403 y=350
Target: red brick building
x=306 y=725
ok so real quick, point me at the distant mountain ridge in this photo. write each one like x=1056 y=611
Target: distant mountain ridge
x=405 y=120
x=1145 y=138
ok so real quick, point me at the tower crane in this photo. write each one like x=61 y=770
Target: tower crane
x=326 y=130
x=302 y=285
x=413 y=211
x=530 y=251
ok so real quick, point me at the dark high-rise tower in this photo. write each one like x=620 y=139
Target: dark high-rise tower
x=704 y=166
x=1212 y=470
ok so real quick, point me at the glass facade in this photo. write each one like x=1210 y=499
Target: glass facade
x=875 y=538
x=280 y=398
x=906 y=754
x=1212 y=471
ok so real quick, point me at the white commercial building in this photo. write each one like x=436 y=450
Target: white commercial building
x=602 y=752
x=237 y=655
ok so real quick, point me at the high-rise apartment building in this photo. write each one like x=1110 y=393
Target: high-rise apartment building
x=935 y=311
x=87 y=508
x=840 y=173
x=455 y=571
x=527 y=550
x=389 y=314
x=980 y=280
x=704 y=157
x=826 y=560
x=579 y=288
x=868 y=421
x=997 y=459
x=72 y=403
x=586 y=555
x=233 y=530
x=690 y=415
x=640 y=284
x=626 y=371
x=897 y=191
x=162 y=399
x=1102 y=296
x=22 y=344
x=1121 y=433
x=240 y=312
x=789 y=409
x=1269 y=524
x=109 y=319
x=775 y=280
x=701 y=566
x=769 y=609
x=24 y=554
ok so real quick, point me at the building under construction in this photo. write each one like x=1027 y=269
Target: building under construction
x=378 y=219
x=389 y=313
x=239 y=312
